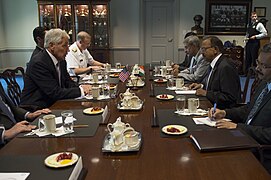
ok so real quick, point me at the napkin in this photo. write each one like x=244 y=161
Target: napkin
x=200 y=112
x=186 y=92
x=207 y=121
x=174 y=88
x=59 y=132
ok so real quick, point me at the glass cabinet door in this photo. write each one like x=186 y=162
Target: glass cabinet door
x=82 y=19
x=47 y=16
x=100 y=25
x=64 y=19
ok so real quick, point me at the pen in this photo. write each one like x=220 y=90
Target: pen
x=213 y=112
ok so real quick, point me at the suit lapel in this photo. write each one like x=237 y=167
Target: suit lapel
x=214 y=72
x=53 y=67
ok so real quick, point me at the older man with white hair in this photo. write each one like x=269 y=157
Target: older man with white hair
x=46 y=78
x=79 y=60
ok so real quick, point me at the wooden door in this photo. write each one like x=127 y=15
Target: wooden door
x=159 y=31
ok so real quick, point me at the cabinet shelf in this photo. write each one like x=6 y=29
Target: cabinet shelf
x=74 y=16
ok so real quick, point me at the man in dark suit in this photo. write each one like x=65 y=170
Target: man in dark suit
x=254 y=118
x=46 y=78
x=221 y=84
x=38 y=35
x=13 y=118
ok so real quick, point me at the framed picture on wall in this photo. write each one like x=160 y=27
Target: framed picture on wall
x=261 y=11
x=227 y=17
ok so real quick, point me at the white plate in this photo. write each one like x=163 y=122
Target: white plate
x=51 y=160
x=112 y=86
x=88 y=111
x=160 y=80
x=182 y=129
x=169 y=97
x=114 y=75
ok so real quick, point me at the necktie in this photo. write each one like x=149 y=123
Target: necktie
x=257 y=104
x=6 y=110
x=205 y=81
x=192 y=64
x=58 y=73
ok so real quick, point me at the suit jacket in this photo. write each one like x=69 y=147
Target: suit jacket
x=2 y=141
x=41 y=84
x=18 y=113
x=198 y=70
x=224 y=85
x=35 y=52
x=260 y=125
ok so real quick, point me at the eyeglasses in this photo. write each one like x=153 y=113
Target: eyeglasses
x=261 y=65
x=204 y=49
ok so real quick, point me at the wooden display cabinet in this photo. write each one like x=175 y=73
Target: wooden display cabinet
x=74 y=16
x=237 y=55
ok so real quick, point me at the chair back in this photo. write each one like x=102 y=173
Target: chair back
x=13 y=89
x=251 y=74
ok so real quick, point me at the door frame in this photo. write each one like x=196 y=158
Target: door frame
x=176 y=28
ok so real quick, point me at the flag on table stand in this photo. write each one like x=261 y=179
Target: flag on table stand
x=124 y=74
x=141 y=71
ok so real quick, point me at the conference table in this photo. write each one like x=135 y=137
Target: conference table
x=159 y=158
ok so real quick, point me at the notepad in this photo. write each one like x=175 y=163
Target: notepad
x=222 y=139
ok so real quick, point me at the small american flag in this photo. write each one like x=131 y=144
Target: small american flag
x=124 y=74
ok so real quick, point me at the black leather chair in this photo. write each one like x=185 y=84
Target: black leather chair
x=13 y=89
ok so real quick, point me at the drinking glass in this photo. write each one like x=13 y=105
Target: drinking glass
x=170 y=83
x=67 y=118
x=106 y=90
x=180 y=103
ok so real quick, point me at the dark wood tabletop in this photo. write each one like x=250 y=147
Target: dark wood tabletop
x=159 y=158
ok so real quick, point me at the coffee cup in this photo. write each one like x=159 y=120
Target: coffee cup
x=131 y=138
x=193 y=104
x=179 y=83
x=47 y=123
x=135 y=102
x=118 y=65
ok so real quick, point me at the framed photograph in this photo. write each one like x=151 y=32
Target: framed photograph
x=227 y=17
x=261 y=11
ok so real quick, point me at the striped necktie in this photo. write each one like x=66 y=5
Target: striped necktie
x=257 y=104
x=6 y=110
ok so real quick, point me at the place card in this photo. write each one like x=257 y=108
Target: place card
x=186 y=92
x=104 y=115
x=77 y=169
x=17 y=175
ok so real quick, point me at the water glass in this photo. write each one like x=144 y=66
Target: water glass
x=67 y=118
x=105 y=90
x=156 y=70
x=180 y=103
x=170 y=83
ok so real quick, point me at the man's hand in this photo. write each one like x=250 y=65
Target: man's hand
x=201 y=92
x=194 y=86
x=86 y=88
x=217 y=115
x=35 y=114
x=96 y=67
x=175 y=66
x=225 y=124
x=22 y=126
x=175 y=72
